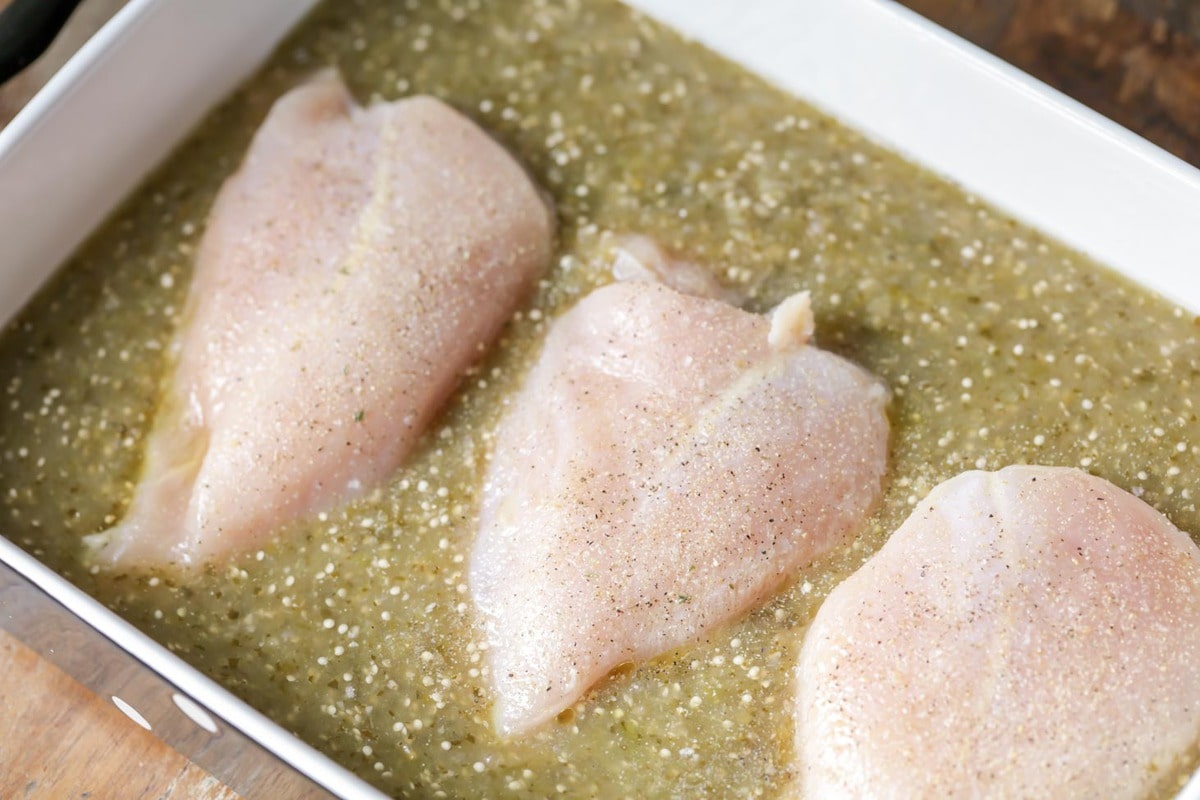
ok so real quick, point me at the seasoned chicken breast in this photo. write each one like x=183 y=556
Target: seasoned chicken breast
x=668 y=463
x=358 y=261
x=1032 y=632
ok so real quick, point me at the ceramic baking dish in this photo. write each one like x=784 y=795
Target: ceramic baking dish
x=139 y=86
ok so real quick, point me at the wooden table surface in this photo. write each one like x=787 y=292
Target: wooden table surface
x=58 y=740
x=1134 y=60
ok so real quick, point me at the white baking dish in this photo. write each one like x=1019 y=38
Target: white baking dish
x=135 y=90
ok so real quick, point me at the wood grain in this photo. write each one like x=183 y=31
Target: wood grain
x=58 y=741
x=1135 y=61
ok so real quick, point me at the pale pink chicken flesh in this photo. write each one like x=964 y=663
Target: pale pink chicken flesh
x=351 y=270
x=668 y=463
x=1032 y=632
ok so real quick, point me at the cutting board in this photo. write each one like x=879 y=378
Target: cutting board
x=58 y=740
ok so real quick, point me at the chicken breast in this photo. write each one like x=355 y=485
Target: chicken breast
x=668 y=463
x=354 y=266
x=1032 y=632
x=635 y=257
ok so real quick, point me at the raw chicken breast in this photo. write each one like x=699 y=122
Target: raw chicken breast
x=669 y=462
x=1032 y=632
x=639 y=258
x=352 y=269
